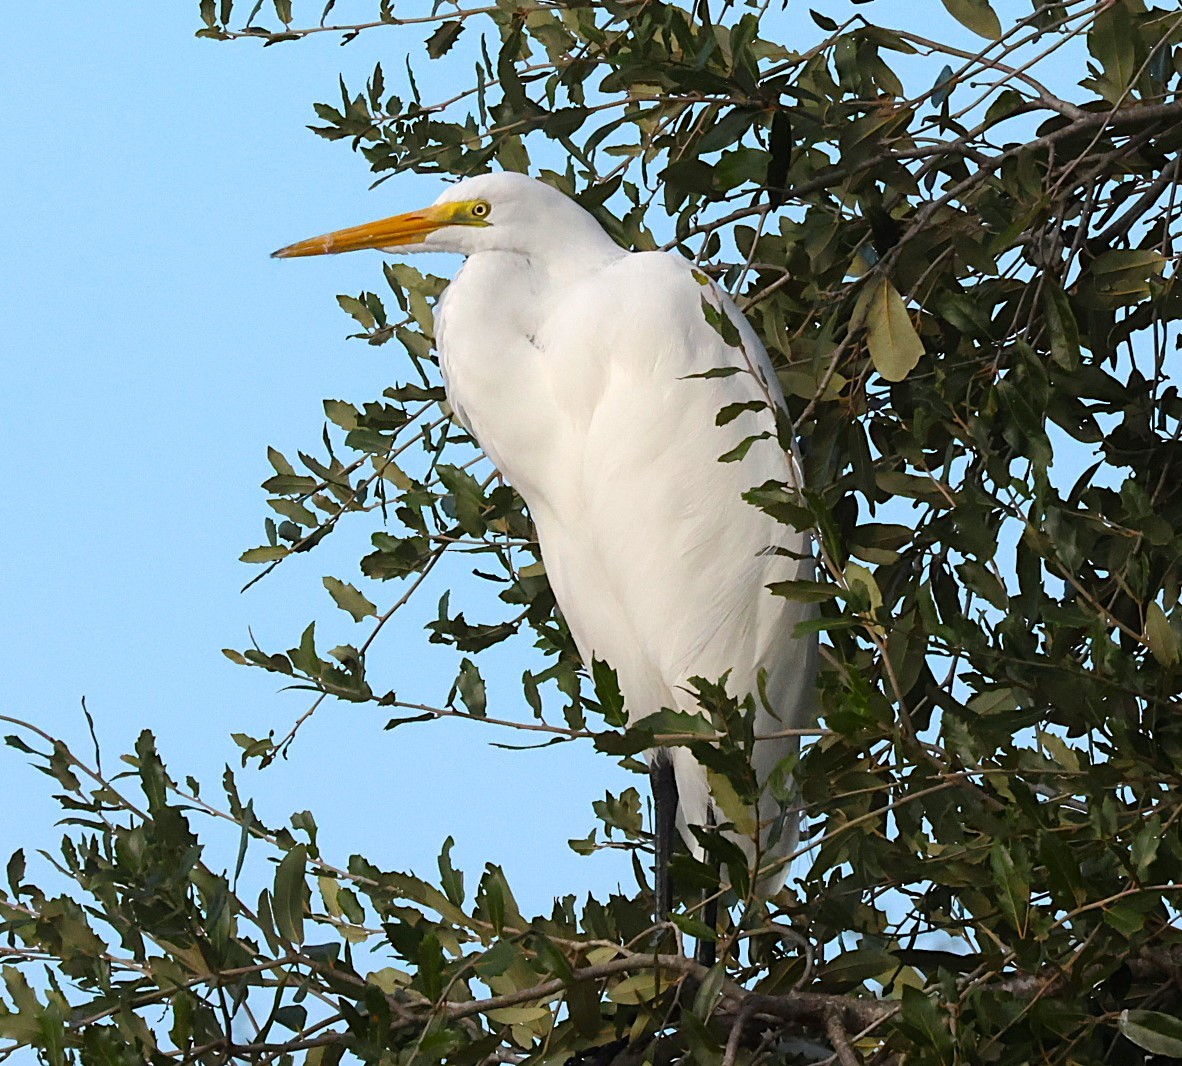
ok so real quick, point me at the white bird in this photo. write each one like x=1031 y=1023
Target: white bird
x=577 y=366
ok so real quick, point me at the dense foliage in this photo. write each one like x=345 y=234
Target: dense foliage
x=960 y=254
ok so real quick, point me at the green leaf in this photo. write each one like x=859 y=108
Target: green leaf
x=431 y=962
x=709 y=992
x=582 y=1000
x=983 y=581
x=583 y=845
x=639 y=988
x=467 y=498
x=356 y=310
x=341 y=414
x=326 y=1054
x=924 y=1021
x=330 y=891
x=720 y=322
x=304 y=656
x=533 y=695
x=895 y=347
x=805 y=591
x=496 y=899
x=740 y=166
x=740 y=450
x=734 y=810
x=977 y=16
x=779 y=154
x=715 y=372
x=1158 y=1033
x=498 y=959
x=1005 y=104
x=1160 y=636
x=294 y=1017
x=944 y=84
x=279 y=462
x=607 y=692
x=1145 y=846
x=16 y=869
x=727 y=130
x=295 y=512
x=23 y=1025
x=861 y=579
x=1012 y=878
x=668 y=722
x=620 y=812
x=1061 y=327
x=732 y=410
x=284 y=484
x=691 y=175
x=550 y=958
x=268 y=553
x=1111 y=42
x=440 y=42
x=349 y=599
x=290 y=894
x=450 y=879
x=1124 y=275
x=470 y=686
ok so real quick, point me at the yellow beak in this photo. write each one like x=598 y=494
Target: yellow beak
x=411 y=228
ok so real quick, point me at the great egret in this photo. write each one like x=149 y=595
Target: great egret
x=594 y=381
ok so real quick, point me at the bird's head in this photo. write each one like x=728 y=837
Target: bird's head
x=491 y=212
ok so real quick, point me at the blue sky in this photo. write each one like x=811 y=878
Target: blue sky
x=152 y=351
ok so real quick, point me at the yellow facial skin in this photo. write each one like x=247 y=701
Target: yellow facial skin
x=412 y=228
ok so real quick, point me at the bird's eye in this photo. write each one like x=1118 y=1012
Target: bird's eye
x=480 y=209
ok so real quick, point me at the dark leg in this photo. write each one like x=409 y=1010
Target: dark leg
x=707 y=952
x=664 y=786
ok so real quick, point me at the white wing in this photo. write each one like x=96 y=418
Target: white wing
x=658 y=563
x=586 y=398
